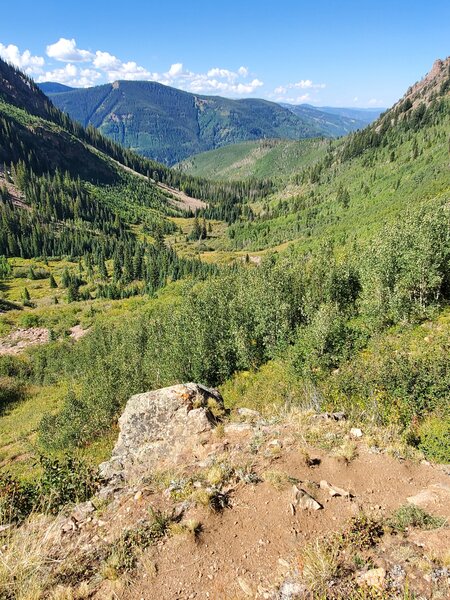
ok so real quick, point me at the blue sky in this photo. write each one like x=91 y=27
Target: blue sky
x=337 y=53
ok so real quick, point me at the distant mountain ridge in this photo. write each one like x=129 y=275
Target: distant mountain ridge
x=53 y=87
x=169 y=125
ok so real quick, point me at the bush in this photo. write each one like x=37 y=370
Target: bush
x=29 y=320
x=17 y=499
x=413 y=516
x=434 y=439
x=62 y=481
x=10 y=392
x=65 y=481
x=324 y=342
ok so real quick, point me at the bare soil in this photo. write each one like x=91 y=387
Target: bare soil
x=250 y=548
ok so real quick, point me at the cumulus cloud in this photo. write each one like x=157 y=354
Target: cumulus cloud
x=216 y=80
x=71 y=75
x=102 y=66
x=113 y=68
x=25 y=60
x=66 y=51
x=287 y=92
x=303 y=84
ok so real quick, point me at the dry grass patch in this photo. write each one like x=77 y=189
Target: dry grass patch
x=26 y=558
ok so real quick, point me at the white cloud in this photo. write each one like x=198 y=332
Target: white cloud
x=66 y=50
x=71 y=75
x=114 y=68
x=103 y=66
x=25 y=61
x=105 y=60
x=303 y=84
x=375 y=102
x=215 y=81
x=175 y=70
x=286 y=93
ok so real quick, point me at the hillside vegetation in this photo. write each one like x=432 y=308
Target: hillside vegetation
x=109 y=288
x=263 y=159
x=169 y=125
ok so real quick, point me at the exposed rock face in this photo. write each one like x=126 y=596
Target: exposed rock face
x=159 y=428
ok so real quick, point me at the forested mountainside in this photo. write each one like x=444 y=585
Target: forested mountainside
x=319 y=298
x=335 y=123
x=261 y=159
x=168 y=125
x=349 y=188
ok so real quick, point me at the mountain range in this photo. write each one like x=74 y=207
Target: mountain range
x=169 y=125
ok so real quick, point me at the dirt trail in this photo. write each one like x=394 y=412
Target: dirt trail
x=256 y=544
x=248 y=548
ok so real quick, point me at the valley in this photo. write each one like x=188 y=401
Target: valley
x=304 y=275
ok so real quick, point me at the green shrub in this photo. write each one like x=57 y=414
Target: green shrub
x=29 y=320
x=11 y=391
x=61 y=482
x=413 y=516
x=65 y=481
x=17 y=499
x=434 y=439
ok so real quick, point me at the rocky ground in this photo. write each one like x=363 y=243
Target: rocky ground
x=238 y=506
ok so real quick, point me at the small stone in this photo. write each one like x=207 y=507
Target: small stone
x=245 y=586
x=248 y=413
x=356 y=432
x=237 y=428
x=333 y=490
x=290 y=590
x=275 y=444
x=336 y=416
x=82 y=511
x=304 y=500
x=138 y=495
x=373 y=578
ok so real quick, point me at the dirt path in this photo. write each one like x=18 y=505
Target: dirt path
x=253 y=547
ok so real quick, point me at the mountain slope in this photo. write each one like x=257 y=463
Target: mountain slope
x=260 y=159
x=365 y=180
x=364 y=115
x=169 y=125
x=336 y=124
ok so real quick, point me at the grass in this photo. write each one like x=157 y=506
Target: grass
x=261 y=159
x=26 y=559
x=410 y=515
x=18 y=428
x=347 y=452
x=320 y=565
x=280 y=480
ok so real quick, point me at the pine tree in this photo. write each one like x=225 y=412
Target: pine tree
x=26 y=298
x=65 y=278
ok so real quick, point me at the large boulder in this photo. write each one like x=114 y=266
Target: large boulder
x=159 y=428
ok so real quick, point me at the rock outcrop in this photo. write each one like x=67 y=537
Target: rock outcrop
x=160 y=428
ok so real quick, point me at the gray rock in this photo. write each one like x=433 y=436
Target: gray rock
x=335 y=416
x=238 y=427
x=157 y=427
x=356 y=432
x=292 y=590
x=334 y=490
x=82 y=511
x=303 y=500
x=248 y=413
